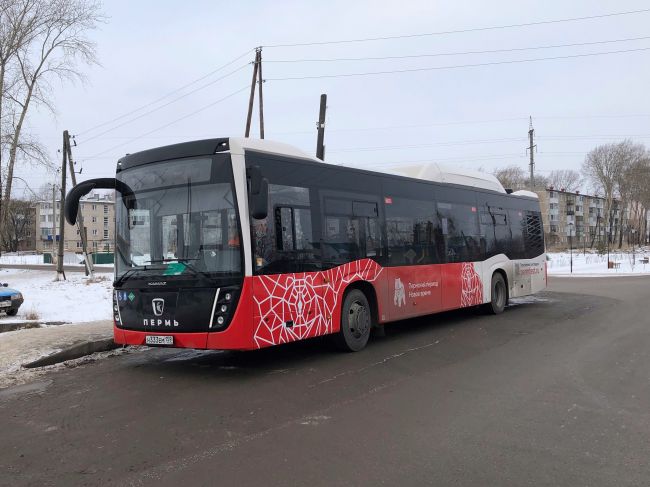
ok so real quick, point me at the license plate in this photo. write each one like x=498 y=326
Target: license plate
x=159 y=340
x=5 y=304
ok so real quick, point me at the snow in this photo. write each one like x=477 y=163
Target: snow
x=77 y=299
x=593 y=264
x=31 y=258
x=23 y=346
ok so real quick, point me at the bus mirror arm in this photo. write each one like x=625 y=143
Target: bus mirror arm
x=71 y=204
x=259 y=193
x=259 y=201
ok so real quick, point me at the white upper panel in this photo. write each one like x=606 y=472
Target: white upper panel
x=429 y=171
x=239 y=144
x=524 y=192
x=432 y=171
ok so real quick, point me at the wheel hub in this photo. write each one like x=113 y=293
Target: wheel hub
x=358 y=320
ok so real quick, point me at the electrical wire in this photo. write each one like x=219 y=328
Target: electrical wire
x=187 y=85
x=460 y=31
x=164 y=105
x=460 y=53
x=458 y=66
x=95 y=156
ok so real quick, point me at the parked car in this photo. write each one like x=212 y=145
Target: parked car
x=10 y=300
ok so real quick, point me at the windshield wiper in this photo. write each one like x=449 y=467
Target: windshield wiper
x=187 y=263
x=120 y=280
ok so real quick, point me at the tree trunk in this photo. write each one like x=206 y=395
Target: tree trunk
x=13 y=149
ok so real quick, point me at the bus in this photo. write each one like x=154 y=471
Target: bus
x=240 y=244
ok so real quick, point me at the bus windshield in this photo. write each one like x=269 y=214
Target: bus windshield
x=178 y=218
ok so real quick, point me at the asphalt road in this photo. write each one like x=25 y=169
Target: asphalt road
x=553 y=392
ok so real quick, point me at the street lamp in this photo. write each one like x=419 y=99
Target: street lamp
x=571 y=244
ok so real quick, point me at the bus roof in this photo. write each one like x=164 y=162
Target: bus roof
x=429 y=171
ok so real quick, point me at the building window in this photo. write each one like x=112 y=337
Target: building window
x=551 y=194
x=94 y=219
x=105 y=209
x=94 y=207
x=79 y=245
x=105 y=222
x=106 y=234
x=95 y=231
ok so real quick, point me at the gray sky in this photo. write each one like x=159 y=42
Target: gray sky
x=474 y=117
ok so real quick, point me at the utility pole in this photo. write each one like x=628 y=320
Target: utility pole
x=53 y=221
x=531 y=148
x=320 y=142
x=257 y=64
x=59 y=263
x=260 y=81
x=80 y=218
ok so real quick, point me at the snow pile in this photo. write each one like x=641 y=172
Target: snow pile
x=77 y=299
x=593 y=264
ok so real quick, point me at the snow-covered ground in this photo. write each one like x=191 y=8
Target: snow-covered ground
x=31 y=258
x=77 y=299
x=593 y=264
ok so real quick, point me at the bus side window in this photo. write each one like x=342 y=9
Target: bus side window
x=460 y=228
x=284 y=241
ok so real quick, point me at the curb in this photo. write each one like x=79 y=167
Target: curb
x=5 y=327
x=73 y=352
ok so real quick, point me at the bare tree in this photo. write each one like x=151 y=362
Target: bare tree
x=53 y=54
x=20 y=218
x=565 y=180
x=512 y=177
x=602 y=167
x=18 y=26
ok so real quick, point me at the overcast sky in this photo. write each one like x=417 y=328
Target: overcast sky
x=472 y=117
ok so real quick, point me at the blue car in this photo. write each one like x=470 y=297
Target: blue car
x=10 y=300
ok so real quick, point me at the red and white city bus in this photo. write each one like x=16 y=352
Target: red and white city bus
x=242 y=244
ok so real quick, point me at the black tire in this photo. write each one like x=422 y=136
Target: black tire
x=499 y=295
x=356 y=322
x=12 y=312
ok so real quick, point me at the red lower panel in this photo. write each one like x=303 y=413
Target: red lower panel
x=284 y=308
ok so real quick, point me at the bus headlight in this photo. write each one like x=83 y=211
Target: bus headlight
x=224 y=308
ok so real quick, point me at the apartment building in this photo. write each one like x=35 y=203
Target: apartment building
x=582 y=217
x=98 y=210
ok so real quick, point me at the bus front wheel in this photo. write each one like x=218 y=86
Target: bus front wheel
x=499 y=295
x=356 y=322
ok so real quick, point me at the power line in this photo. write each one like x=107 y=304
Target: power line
x=229 y=63
x=170 y=123
x=424 y=146
x=166 y=104
x=459 y=53
x=436 y=68
x=464 y=122
x=461 y=31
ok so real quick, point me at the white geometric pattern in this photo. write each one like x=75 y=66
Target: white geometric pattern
x=472 y=287
x=307 y=299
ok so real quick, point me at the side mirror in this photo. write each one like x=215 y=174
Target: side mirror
x=71 y=207
x=258 y=196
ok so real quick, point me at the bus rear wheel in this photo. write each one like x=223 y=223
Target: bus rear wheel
x=356 y=322
x=499 y=295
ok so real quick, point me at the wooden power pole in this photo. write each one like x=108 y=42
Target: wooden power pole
x=320 y=142
x=59 y=262
x=257 y=78
x=80 y=219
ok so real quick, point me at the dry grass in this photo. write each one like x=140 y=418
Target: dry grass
x=32 y=315
x=95 y=280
